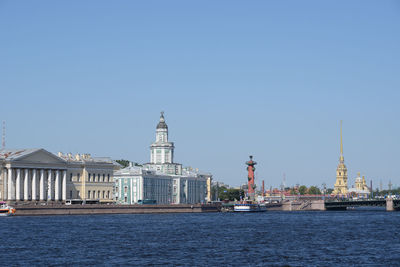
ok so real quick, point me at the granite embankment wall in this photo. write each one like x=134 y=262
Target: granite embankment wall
x=303 y=205
x=32 y=210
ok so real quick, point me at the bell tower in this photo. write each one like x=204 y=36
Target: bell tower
x=341 y=171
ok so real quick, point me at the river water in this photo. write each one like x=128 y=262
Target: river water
x=355 y=238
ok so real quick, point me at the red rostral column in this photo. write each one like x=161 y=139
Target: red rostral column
x=251 y=169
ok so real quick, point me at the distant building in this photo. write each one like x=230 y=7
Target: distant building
x=341 y=187
x=360 y=188
x=162 y=179
x=38 y=175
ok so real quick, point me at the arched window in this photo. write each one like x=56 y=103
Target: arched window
x=104 y=178
x=70 y=178
x=98 y=177
x=108 y=177
x=89 y=178
x=79 y=177
x=98 y=194
x=88 y=194
x=104 y=194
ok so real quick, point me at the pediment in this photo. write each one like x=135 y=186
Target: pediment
x=40 y=156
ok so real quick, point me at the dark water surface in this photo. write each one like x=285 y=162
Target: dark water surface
x=215 y=239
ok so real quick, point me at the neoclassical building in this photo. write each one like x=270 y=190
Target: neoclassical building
x=38 y=175
x=341 y=187
x=162 y=180
x=89 y=178
x=32 y=175
x=137 y=183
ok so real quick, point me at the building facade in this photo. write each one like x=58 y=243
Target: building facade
x=89 y=178
x=38 y=175
x=135 y=184
x=341 y=187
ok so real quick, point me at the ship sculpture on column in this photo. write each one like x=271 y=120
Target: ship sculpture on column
x=250 y=177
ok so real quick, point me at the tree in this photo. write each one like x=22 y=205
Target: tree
x=302 y=190
x=123 y=162
x=313 y=190
x=230 y=194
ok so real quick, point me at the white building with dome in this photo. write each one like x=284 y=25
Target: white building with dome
x=162 y=180
x=360 y=188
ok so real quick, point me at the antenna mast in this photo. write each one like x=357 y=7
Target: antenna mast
x=3 y=138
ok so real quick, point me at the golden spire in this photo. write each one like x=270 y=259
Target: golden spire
x=341 y=143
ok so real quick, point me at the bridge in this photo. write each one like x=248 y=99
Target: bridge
x=390 y=204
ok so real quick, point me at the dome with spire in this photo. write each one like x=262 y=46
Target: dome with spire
x=358 y=178
x=162 y=124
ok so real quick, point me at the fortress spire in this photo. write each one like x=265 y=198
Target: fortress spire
x=341 y=142
x=341 y=171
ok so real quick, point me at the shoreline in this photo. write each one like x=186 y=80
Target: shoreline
x=91 y=209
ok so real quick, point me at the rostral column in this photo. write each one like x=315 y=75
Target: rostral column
x=250 y=177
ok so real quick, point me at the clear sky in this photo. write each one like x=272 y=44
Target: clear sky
x=267 y=78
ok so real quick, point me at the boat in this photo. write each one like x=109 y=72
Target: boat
x=6 y=210
x=249 y=207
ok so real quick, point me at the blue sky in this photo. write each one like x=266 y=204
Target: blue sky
x=267 y=78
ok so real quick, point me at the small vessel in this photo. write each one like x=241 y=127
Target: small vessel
x=249 y=207
x=6 y=210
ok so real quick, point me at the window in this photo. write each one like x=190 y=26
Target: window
x=98 y=194
x=126 y=189
x=78 y=194
x=104 y=177
x=79 y=177
x=88 y=194
x=108 y=178
x=89 y=177
x=126 y=199
x=104 y=194
x=98 y=177
x=108 y=194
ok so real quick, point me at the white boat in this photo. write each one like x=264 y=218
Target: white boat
x=249 y=207
x=6 y=210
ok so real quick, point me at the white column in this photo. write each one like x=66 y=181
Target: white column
x=57 y=186
x=64 y=185
x=18 y=185
x=10 y=195
x=5 y=184
x=41 y=185
x=34 y=186
x=49 y=185
x=26 y=185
